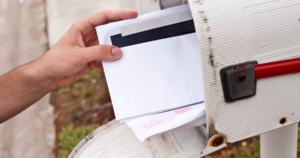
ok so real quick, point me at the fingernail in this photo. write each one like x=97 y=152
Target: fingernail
x=116 y=51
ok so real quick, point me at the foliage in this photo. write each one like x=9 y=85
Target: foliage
x=70 y=136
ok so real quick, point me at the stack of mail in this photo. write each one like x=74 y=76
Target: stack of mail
x=157 y=84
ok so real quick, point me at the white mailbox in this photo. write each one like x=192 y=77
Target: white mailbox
x=246 y=93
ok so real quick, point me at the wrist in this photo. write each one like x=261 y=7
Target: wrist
x=34 y=76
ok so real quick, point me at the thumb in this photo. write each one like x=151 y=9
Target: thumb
x=99 y=52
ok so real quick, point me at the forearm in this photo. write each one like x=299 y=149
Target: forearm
x=73 y=56
x=21 y=88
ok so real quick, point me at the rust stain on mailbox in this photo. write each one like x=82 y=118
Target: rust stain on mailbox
x=217 y=140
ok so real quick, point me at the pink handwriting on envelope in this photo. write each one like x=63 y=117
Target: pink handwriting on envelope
x=182 y=110
x=165 y=118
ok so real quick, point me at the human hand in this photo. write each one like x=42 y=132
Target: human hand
x=74 y=55
x=78 y=51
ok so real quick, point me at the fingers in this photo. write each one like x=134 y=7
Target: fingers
x=97 y=53
x=108 y=16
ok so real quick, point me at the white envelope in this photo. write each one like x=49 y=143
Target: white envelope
x=154 y=76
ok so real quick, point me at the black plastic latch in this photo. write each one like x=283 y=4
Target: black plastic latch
x=238 y=84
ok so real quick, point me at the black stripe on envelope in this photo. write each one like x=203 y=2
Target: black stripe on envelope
x=168 y=31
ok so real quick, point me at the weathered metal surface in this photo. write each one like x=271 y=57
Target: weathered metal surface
x=161 y=145
x=233 y=32
x=116 y=140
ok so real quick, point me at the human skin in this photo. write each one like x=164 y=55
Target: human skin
x=73 y=56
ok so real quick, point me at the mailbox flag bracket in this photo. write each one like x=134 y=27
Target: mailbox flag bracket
x=239 y=81
x=238 y=84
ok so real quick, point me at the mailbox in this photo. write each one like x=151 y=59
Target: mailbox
x=238 y=40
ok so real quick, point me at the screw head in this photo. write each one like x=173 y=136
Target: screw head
x=282 y=121
x=218 y=141
x=242 y=77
